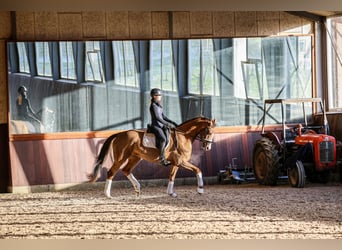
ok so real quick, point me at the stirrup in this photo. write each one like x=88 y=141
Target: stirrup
x=165 y=162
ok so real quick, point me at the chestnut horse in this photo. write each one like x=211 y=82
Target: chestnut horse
x=128 y=151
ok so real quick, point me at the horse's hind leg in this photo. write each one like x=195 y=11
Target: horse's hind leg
x=110 y=175
x=132 y=162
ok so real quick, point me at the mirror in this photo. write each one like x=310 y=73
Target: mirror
x=105 y=85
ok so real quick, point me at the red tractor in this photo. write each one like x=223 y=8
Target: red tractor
x=299 y=150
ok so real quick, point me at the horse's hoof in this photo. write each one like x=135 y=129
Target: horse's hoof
x=173 y=195
x=200 y=190
x=108 y=196
x=137 y=194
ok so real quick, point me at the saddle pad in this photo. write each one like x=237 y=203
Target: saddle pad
x=149 y=140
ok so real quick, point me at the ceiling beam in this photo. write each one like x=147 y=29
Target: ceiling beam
x=308 y=15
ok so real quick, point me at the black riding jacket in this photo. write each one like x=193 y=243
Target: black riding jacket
x=157 y=116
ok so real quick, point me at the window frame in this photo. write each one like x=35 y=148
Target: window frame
x=122 y=67
x=23 y=58
x=173 y=87
x=68 y=57
x=334 y=61
x=90 y=64
x=215 y=89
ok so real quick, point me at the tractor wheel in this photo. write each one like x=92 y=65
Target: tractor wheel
x=297 y=175
x=266 y=162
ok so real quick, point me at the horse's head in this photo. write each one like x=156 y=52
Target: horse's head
x=207 y=135
x=199 y=128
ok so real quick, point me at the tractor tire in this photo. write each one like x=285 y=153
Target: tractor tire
x=297 y=175
x=266 y=162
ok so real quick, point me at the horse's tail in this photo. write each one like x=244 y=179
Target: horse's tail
x=101 y=157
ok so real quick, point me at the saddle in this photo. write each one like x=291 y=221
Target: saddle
x=150 y=140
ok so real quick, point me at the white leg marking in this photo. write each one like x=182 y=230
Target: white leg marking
x=135 y=183
x=200 y=189
x=107 y=188
x=170 y=189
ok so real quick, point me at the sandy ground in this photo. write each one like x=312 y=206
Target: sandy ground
x=229 y=211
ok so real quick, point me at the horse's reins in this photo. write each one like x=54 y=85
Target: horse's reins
x=197 y=137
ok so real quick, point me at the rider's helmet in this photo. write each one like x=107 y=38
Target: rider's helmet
x=22 y=89
x=155 y=92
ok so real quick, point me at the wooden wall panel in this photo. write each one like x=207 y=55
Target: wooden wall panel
x=24 y=25
x=5 y=33
x=290 y=23
x=46 y=25
x=94 y=24
x=70 y=26
x=117 y=25
x=335 y=121
x=181 y=24
x=3 y=83
x=67 y=161
x=160 y=25
x=5 y=24
x=50 y=25
x=268 y=23
x=223 y=24
x=201 y=23
x=245 y=23
x=44 y=162
x=140 y=25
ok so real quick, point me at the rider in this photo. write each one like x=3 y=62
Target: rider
x=160 y=123
x=25 y=111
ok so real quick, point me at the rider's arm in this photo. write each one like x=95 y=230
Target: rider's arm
x=155 y=112
x=169 y=120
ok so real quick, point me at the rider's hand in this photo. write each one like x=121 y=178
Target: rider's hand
x=171 y=126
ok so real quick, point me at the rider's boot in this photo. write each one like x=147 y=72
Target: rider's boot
x=163 y=161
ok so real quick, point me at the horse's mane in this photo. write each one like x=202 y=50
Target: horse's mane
x=192 y=120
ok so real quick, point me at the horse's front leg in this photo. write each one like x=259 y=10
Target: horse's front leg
x=199 y=176
x=107 y=188
x=171 y=183
x=200 y=189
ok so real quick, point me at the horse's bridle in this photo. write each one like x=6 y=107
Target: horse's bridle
x=205 y=140
x=198 y=136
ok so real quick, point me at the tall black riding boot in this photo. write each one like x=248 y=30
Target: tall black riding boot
x=163 y=161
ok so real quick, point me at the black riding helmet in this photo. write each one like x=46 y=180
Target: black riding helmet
x=22 y=89
x=155 y=91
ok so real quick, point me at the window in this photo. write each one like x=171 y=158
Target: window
x=125 y=72
x=162 y=67
x=277 y=67
x=43 y=59
x=230 y=78
x=23 y=61
x=334 y=47
x=252 y=67
x=251 y=70
x=202 y=68
x=67 y=62
x=93 y=62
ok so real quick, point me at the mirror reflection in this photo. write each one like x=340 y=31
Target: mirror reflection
x=67 y=86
